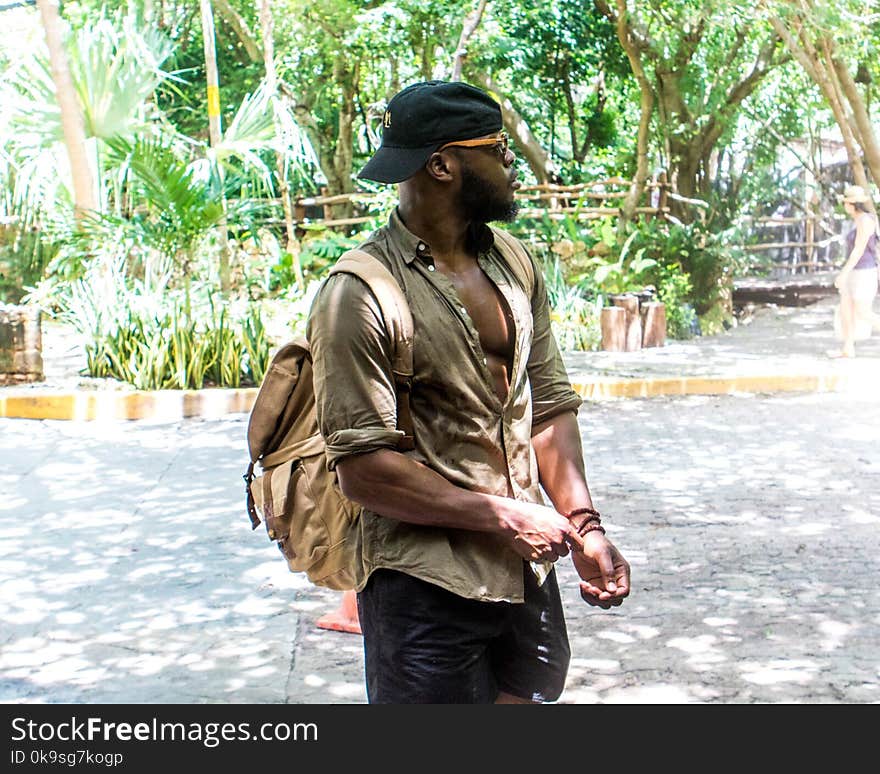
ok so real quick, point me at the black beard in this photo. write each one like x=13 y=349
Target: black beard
x=482 y=203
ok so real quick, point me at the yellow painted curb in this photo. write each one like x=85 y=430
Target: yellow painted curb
x=709 y=385
x=98 y=404
x=172 y=405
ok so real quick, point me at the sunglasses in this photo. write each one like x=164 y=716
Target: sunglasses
x=500 y=143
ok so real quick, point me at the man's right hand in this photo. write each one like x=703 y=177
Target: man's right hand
x=535 y=532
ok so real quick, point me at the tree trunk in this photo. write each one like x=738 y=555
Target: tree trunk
x=266 y=25
x=343 y=154
x=240 y=28
x=809 y=58
x=861 y=119
x=646 y=108
x=334 y=145
x=533 y=152
x=214 y=127
x=471 y=22
x=213 y=81
x=84 y=194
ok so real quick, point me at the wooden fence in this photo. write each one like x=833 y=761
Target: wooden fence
x=793 y=245
x=798 y=245
x=585 y=201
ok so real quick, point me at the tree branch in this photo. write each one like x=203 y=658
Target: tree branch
x=471 y=22
x=539 y=161
x=241 y=30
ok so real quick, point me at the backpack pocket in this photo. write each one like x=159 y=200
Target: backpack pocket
x=314 y=524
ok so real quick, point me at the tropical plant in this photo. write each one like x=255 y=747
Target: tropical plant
x=148 y=338
x=674 y=291
x=622 y=275
x=574 y=316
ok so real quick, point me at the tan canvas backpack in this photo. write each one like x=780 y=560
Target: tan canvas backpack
x=297 y=495
x=313 y=523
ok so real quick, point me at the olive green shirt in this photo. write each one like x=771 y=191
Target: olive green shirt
x=462 y=430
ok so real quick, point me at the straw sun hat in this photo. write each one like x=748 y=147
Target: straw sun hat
x=853 y=194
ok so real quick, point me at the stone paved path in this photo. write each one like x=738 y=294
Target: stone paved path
x=129 y=573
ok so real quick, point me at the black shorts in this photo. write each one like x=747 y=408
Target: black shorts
x=426 y=645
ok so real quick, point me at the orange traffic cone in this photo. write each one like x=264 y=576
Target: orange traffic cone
x=345 y=618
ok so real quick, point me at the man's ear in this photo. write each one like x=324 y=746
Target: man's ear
x=441 y=166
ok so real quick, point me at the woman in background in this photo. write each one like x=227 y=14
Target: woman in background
x=857 y=281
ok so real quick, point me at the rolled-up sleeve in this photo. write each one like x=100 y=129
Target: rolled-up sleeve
x=552 y=392
x=354 y=387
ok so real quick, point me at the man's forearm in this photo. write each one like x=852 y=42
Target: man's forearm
x=398 y=487
x=558 y=450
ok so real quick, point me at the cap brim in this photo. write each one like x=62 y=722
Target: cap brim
x=394 y=165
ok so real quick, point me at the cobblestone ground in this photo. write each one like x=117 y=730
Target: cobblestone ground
x=751 y=523
x=129 y=573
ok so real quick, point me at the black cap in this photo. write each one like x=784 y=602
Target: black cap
x=423 y=117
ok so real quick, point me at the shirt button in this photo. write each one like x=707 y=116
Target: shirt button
x=420 y=246
x=463 y=310
x=430 y=268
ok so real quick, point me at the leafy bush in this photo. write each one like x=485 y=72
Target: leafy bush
x=622 y=275
x=151 y=337
x=24 y=256
x=705 y=258
x=674 y=290
x=320 y=249
x=574 y=317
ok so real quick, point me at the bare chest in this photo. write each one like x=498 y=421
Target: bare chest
x=493 y=320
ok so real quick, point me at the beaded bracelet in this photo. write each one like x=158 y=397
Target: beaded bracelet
x=592 y=522
x=589 y=526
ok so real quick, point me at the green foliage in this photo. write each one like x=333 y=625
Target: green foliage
x=153 y=338
x=560 y=63
x=624 y=274
x=320 y=249
x=179 y=205
x=24 y=256
x=574 y=318
x=674 y=290
x=705 y=258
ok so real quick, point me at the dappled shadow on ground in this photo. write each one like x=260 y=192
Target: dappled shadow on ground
x=752 y=527
x=129 y=572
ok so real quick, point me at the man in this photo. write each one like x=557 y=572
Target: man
x=461 y=603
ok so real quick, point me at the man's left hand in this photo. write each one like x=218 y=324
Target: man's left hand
x=603 y=571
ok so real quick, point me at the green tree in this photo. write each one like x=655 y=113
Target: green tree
x=696 y=62
x=833 y=45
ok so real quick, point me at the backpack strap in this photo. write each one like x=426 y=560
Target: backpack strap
x=398 y=320
x=517 y=258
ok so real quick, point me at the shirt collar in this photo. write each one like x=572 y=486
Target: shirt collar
x=413 y=247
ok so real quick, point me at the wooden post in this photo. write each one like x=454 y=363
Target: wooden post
x=632 y=321
x=810 y=230
x=612 y=321
x=663 y=199
x=653 y=314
